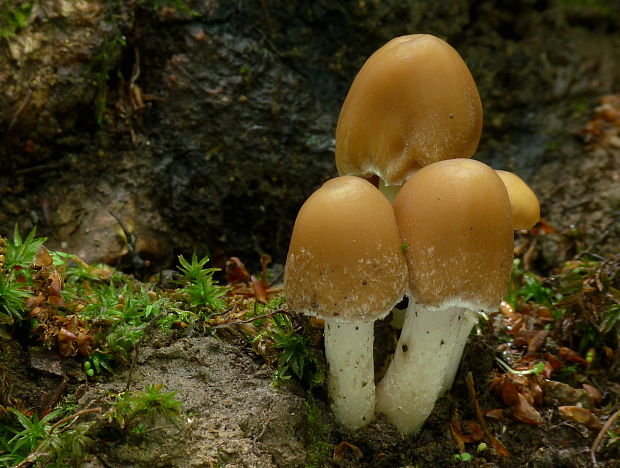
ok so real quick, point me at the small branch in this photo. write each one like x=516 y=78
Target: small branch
x=41 y=167
x=501 y=450
x=74 y=417
x=31 y=459
x=136 y=348
x=19 y=110
x=157 y=428
x=238 y=322
x=262 y=432
x=136 y=261
x=601 y=435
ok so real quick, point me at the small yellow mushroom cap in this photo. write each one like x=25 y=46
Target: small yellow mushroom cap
x=455 y=217
x=523 y=201
x=345 y=261
x=414 y=102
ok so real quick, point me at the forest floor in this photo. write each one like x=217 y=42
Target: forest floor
x=197 y=367
x=105 y=370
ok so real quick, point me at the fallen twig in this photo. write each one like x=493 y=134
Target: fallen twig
x=601 y=435
x=252 y=319
x=499 y=447
x=74 y=417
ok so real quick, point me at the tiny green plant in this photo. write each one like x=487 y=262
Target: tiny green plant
x=18 y=252
x=537 y=369
x=122 y=314
x=16 y=255
x=526 y=286
x=463 y=457
x=12 y=296
x=26 y=438
x=48 y=441
x=152 y=402
x=293 y=355
x=13 y=17
x=140 y=408
x=319 y=449
x=200 y=287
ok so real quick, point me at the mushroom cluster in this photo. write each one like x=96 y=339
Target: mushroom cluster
x=436 y=226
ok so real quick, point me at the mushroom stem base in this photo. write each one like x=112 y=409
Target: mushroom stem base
x=431 y=341
x=351 y=385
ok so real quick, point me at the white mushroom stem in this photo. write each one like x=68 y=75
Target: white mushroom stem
x=390 y=191
x=469 y=319
x=428 y=352
x=351 y=380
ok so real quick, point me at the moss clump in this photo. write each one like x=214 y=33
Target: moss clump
x=13 y=17
x=317 y=433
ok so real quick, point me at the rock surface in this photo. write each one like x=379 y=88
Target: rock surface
x=216 y=119
x=231 y=413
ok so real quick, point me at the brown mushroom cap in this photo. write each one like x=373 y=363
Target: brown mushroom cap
x=345 y=260
x=455 y=217
x=414 y=102
x=523 y=201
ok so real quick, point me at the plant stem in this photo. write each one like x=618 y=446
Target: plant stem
x=74 y=417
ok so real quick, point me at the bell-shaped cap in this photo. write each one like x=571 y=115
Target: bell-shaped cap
x=345 y=260
x=523 y=201
x=414 y=102
x=455 y=217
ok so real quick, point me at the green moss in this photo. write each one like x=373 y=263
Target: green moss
x=13 y=17
x=317 y=433
x=101 y=69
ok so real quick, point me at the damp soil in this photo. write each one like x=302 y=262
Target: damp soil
x=233 y=416
x=216 y=125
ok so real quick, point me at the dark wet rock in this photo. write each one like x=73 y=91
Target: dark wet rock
x=559 y=394
x=217 y=120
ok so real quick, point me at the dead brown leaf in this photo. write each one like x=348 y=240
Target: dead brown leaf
x=344 y=449
x=524 y=412
x=581 y=415
x=43 y=258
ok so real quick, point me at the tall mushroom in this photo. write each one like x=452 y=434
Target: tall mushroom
x=346 y=265
x=414 y=102
x=455 y=217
